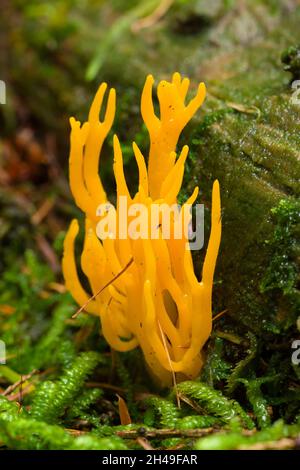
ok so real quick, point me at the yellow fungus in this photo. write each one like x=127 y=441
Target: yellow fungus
x=157 y=302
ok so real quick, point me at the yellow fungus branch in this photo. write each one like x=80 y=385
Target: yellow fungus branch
x=154 y=300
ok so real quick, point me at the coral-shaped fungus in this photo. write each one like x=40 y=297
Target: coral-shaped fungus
x=144 y=290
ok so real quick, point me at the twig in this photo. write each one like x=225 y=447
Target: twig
x=20 y=391
x=42 y=211
x=144 y=443
x=114 y=388
x=216 y=317
x=154 y=17
x=134 y=434
x=57 y=287
x=75 y=432
x=20 y=394
x=190 y=402
x=244 y=109
x=23 y=379
x=284 y=443
x=102 y=288
x=170 y=363
x=229 y=337
x=48 y=252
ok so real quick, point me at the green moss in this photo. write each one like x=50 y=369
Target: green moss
x=241 y=367
x=282 y=272
x=196 y=422
x=52 y=398
x=19 y=431
x=228 y=441
x=291 y=60
x=215 y=368
x=213 y=402
x=167 y=411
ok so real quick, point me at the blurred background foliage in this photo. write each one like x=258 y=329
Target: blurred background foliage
x=53 y=57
